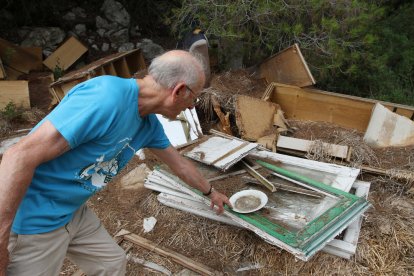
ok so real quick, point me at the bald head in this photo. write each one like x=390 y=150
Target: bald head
x=177 y=66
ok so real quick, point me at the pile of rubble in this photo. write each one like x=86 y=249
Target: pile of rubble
x=312 y=205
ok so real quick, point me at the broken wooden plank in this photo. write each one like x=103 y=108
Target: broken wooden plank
x=259 y=177
x=387 y=129
x=287 y=66
x=304 y=146
x=224 y=124
x=16 y=92
x=316 y=105
x=66 y=55
x=17 y=58
x=220 y=152
x=134 y=61
x=254 y=117
x=284 y=187
x=166 y=252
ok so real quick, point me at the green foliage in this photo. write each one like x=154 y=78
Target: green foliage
x=357 y=47
x=58 y=71
x=11 y=113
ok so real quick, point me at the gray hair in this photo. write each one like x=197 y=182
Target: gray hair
x=169 y=69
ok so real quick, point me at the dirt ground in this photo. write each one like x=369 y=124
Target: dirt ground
x=386 y=243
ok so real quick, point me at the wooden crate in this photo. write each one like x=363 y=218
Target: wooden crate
x=119 y=64
x=316 y=105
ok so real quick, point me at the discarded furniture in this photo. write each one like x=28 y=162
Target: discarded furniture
x=184 y=129
x=64 y=56
x=20 y=58
x=302 y=234
x=287 y=66
x=316 y=105
x=254 y=117
x=387 y=129
x=123 y=64
x=219 y=152
x=300 y=147
x=16 y=92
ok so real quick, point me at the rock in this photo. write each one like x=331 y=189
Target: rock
x=126 y=47
x=70 y=16
x=150 y=49
x=119 y=37
x=46 y=37
x=80 y=29
x=79 y=12
x=101 y=23
x=105 y=47
x=101 y=32
x=115 y=12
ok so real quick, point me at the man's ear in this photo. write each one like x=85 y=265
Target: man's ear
x=177 y=90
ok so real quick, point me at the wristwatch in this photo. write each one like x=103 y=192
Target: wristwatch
x=209 y=191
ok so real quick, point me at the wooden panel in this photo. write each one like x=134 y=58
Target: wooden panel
x=17 y=57
x=126 y=64
x=254 y=117
x=11 y=73
x=38 y=53
x=121 y=68
x=135 y=61
x=315 y=105
x=287 y=66
x=100 y=71
x=16 y=92
x=2 y=71
x=405 y=112
x=110 y=69
x=305 y=145
x=64 y=56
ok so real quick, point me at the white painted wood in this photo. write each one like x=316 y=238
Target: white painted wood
x=344 y=179
x=220 y=152
x=346 y=247
x=387 y=128
x=193 y=207
x=305 y=145
x=176 y=132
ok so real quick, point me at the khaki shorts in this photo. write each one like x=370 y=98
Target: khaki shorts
x=83 y=240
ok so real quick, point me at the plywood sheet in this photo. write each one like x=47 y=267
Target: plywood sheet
x=64 y=56
x=254 y=117
x=287 y=66
x=17 y=57
x=16 y=92
x=316 y=105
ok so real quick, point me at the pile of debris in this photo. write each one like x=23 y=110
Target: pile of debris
x=258 y=138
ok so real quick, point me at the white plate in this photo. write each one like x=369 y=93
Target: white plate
x=248 y=201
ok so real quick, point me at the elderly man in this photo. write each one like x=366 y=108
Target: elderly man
x=47 y=177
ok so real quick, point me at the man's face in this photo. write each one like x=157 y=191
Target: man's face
x=185 y=98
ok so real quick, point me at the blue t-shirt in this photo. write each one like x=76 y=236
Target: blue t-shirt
x=99 y=118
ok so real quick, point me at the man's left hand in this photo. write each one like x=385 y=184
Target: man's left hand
x=219 y=200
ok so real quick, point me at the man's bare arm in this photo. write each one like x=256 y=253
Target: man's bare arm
x=186 y=170
x=16 y=172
